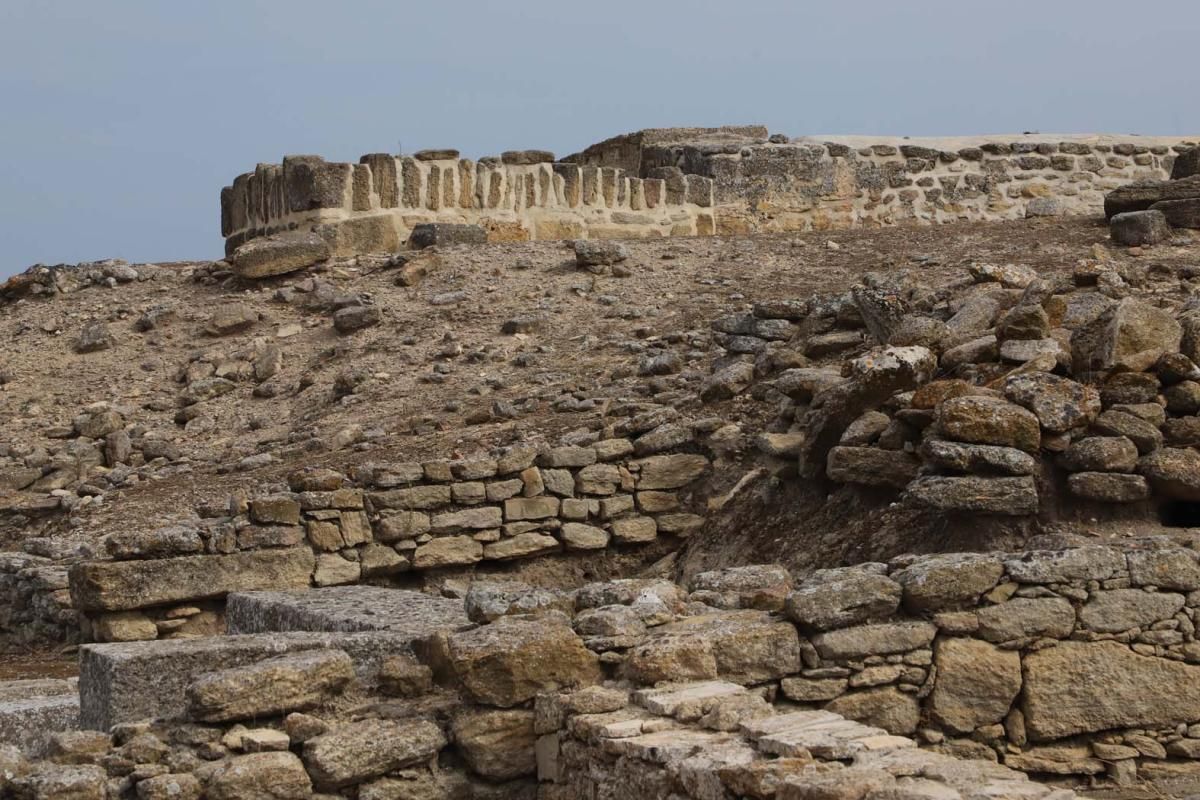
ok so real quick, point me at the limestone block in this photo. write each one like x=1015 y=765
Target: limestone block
x=1082 y=687
x=126 y=585
x=269 y=688
x=976 y=683
x=358 y=751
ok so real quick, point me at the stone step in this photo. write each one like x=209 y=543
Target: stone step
x=668 y=699
x=33 y=710
x=345 y=609
x=131 y=681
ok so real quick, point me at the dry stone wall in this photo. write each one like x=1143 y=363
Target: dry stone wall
x=689 y=182
x=391 y=519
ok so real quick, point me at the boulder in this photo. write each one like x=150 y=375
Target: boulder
x=270 y=688
x=1001 y=496
x=874 y=640
x=126 y=585
x=940 y=582
x=428 y=234
x=745 y=647
x=498 y=745
x=1187 y=164
x=1119 y=610
x=1173 y=473
x=1132 y=334
x=1084 y=687
x=1060 y=404
x=982 y=459
x=1140 y=195
x=1179 y=213
x=987 y=420
x=1023 y=617
x=1100 y=454
x=257 y=776
x=488 y=601
x=976 y=683
x=1139 y=228
x=1146 y=436
x=509 y=661
x=279 y=254
x=872 y=466
x=884 y=707
x=447 y=551
x=358 y=751
x=1107 y=487
x=668 y=471
x=838 y=598
x=597 y=254
x=1094 y=563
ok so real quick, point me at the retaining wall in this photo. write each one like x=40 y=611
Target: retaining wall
x=391 y=519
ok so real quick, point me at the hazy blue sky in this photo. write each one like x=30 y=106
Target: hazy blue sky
x=120 y=120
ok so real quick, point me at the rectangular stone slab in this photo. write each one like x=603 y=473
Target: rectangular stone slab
x=125 y=585
x=1081 y=687
x=345 y=609
x=130 y=681
x=28 y=722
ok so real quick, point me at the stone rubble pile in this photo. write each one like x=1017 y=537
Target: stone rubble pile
x=1006 y=394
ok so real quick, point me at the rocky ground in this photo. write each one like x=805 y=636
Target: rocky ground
x=1000 y=418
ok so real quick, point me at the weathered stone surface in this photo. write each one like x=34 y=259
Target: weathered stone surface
x=1093 y=563
x=593 y=253
x=498 y=745
x=447 y=551
x=976 y=683
x=1122 y=609
x=985 y=459
x=1166 y=568
x=742 y=647
x=1139 y=228
x=1080 y=687
x=879 y=639
x=279 y=254
x=1100 y=454
x=428 y=234
x=357 y=751
x=488 y=601
x=842 y=597
x=132 y=681
x=258 y=776
x=1144 y=434
x=511 y=660
x=884 y=707
x=1173 y=472
x=1060 y=404
x=1131 y=333
x=1180 y=213
x=270 y=688
x=1021 y=617
x=986 y=420
x=669 y=471
x=578 y=536
x=872 y=466
x=939 y=582
x=48 y=781
x=124 y=585
x=762 y=586
x=523 y=545
x=1141 y=195
x=1108 y=487
x=1002 y=496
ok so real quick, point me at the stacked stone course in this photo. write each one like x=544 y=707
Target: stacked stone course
x=689 y=182
x=391 y=519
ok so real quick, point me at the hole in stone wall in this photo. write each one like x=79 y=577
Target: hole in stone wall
x=1180 y=514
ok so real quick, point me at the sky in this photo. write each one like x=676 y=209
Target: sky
x=121 y=120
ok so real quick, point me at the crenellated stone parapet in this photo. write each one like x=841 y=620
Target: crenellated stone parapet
x=373 y=206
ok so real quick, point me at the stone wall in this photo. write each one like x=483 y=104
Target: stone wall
x=35 y=602
x=1080 y=661
x=388 y=520
x=689 y=182
x=374 y=205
